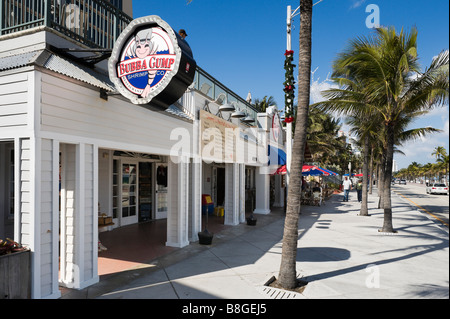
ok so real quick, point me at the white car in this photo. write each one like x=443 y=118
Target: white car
x=437 y=188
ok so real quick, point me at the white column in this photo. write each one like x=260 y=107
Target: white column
x=196 y=176
x=242 y=193
x=231 y=194
x=178 y=201
x=279 y=192
x=262 y=181
x=79 y=211
x=196 y=200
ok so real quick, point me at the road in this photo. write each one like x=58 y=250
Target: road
x=436 y=206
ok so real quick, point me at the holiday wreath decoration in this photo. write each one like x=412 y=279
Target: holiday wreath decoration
x=289 y=86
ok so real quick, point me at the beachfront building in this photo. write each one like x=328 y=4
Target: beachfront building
x=77 y=157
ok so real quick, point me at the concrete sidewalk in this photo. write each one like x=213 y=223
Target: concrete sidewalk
x=340 y=255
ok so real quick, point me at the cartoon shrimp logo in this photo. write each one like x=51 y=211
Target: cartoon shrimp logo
x=146 y=59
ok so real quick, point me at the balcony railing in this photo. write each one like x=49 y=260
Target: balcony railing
x=95 y=23
x=209 y=86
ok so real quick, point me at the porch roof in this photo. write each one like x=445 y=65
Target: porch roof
x=48 y=60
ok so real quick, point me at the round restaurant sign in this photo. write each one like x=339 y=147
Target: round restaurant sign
x=145 y=58
x=276 y=126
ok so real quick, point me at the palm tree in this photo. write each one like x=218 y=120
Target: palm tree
x=263 y=104
x=322 y=137
x=395 y=88
x=445 y=162
x=288 y=274
x=439 y=152
x=366 y=129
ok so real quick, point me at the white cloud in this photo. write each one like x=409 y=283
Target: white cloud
x=357 y=3
x=317 y=88
x=420 y=150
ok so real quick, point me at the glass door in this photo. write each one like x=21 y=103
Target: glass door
x=161 y=191
x=129 y=211
x=145 y=191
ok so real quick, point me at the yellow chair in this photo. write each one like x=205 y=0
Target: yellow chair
x=218 y=211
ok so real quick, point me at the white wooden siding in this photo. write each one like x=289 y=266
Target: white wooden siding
x=68 y=195
x=73 y=109
x=79 y=233
x=13 y=100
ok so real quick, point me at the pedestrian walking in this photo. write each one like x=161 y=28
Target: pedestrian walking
x=347 y=184
x=359 y=190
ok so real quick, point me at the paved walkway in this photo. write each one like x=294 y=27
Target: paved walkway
x=340 y=255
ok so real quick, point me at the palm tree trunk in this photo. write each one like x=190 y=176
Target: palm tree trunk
x=387 y=222
x=364 y=211
x=381 y=172
x=371 y=171
x=288 y=274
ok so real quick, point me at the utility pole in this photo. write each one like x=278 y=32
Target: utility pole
x=290 y=16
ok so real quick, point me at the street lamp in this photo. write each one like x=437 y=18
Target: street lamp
x=248 y=119
x=238 y=114
x=227 y=107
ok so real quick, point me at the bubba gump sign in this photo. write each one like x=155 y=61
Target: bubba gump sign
x=145 y=59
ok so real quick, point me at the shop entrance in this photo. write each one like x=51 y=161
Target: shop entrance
x=145 y=191
x=128 y=197
x=161 y=190
x=220 y=186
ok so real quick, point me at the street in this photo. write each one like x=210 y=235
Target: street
x=436 y=206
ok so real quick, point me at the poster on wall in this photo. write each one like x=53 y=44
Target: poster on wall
x=151 y=63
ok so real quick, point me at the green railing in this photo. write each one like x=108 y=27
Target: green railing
x=95 y=23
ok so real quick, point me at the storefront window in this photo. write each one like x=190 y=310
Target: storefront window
x=129 y=190
x=115 y=187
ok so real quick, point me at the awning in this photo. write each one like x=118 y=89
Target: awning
x=313 y=170
x=281 y=170
x=327 y=170
x=306 y=170
x=277 y=156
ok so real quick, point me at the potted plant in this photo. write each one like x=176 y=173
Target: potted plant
x=205 y=237
x=251 y=220
x=14 y=270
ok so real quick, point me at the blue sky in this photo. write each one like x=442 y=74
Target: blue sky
x=242 y=43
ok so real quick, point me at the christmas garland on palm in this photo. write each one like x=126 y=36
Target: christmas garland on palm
x=289 y=86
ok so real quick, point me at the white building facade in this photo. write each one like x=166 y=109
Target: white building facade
x=72 y=149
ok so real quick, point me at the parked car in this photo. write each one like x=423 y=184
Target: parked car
x=402 y=182
x=437 y=188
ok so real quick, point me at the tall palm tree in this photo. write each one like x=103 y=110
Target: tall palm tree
x=288 y=275
x=396 y=88
x=365 y=128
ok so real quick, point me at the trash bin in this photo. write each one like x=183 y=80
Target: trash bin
x=207 y=205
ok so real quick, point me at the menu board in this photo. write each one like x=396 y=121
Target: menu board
x=218 y=138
